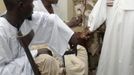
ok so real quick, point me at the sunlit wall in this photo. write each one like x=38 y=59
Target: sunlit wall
x=2 y=7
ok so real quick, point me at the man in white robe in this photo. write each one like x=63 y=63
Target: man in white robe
x=118 y=50
x=82 y=54
x=47 y=29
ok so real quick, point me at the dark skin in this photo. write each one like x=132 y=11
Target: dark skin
x=48 y=5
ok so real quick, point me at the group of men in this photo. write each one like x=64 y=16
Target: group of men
x=117 y=50
x=48 y=28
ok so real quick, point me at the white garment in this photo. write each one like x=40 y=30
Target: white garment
x=95 y=18
x=48 y=29
x=118 y=50
x=126 y=4
x=38 y=6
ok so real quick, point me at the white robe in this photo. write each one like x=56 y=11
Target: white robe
x=118 y=46
x=48 y=29
x=38 y=6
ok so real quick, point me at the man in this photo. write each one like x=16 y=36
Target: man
x=46 y=6
x=19 y=17
x=117 y=51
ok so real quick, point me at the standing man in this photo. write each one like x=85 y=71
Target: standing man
x=117 y=51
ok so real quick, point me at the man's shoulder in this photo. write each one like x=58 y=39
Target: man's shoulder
x=43 y=16
x=39 y=14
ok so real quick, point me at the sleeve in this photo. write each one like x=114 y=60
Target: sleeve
x=8 y=64
x=98 y=15
x=53 y=32
x=61 y=35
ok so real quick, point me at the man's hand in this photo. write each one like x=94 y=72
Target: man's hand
x=84 y=36
x=79 y=38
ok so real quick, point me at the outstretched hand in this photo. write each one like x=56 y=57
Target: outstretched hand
x=79 y=38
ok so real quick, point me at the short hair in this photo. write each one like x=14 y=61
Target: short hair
x=10 y=4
